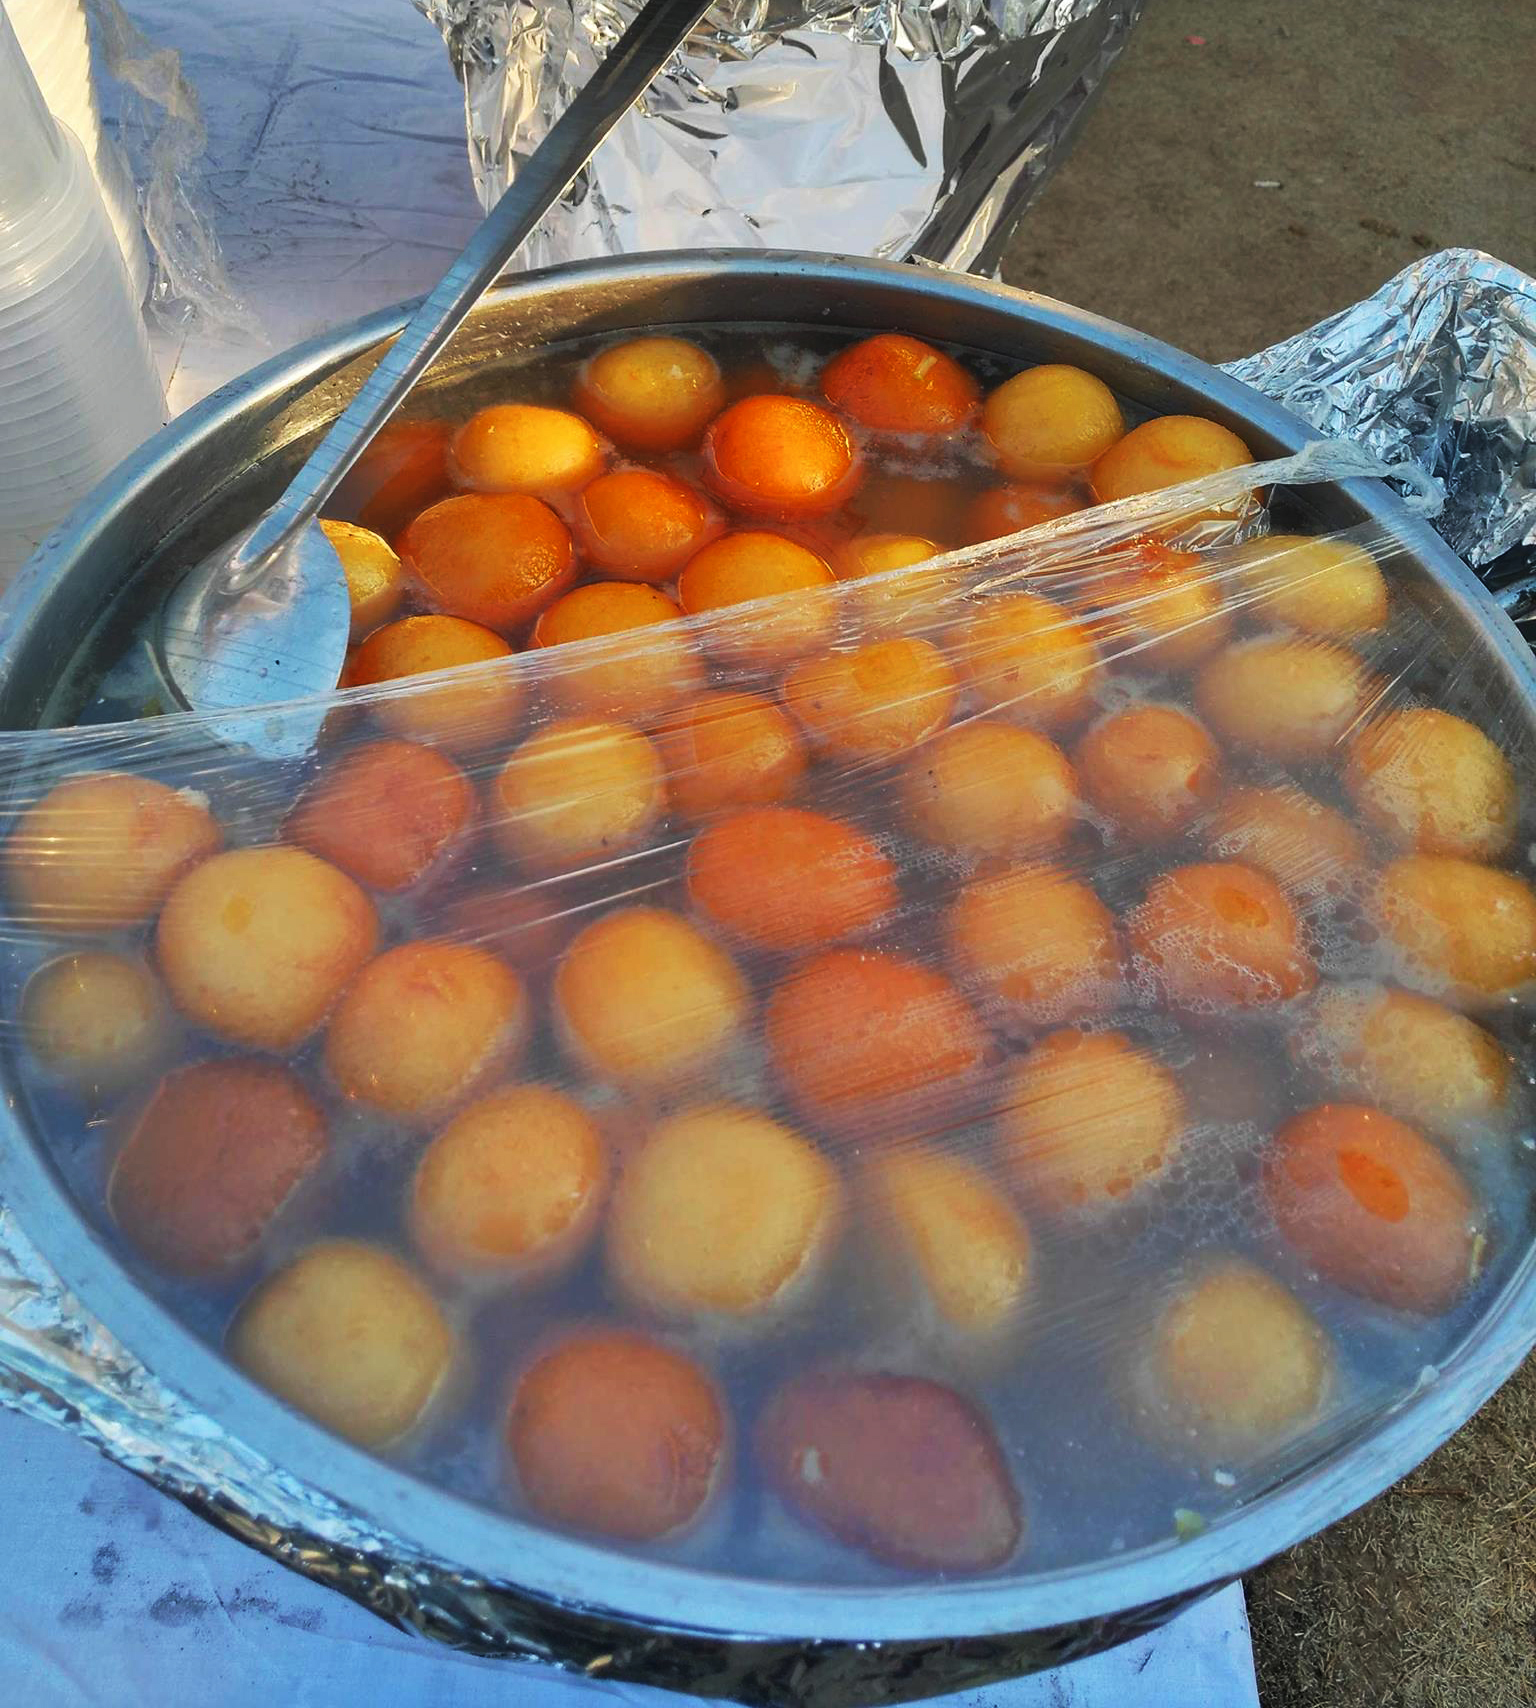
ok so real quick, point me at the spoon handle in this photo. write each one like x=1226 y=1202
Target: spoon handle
x=625 y=73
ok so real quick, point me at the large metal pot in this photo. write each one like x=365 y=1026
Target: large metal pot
x=201 y=479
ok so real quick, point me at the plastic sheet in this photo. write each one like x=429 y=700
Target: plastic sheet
x=938 y=1041
x=904 y=128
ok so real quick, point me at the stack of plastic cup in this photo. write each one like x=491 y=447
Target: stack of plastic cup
x=53 y=36
x=78 y=388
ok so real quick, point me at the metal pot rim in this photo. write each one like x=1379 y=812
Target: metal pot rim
x=652 y=1592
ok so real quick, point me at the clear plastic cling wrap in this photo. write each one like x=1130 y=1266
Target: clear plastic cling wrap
x=841 y=1043
x=903 y=128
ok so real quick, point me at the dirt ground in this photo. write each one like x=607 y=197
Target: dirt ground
x=1391 y=128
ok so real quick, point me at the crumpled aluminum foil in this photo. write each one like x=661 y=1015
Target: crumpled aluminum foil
x=893 y=128
x=1437 y=368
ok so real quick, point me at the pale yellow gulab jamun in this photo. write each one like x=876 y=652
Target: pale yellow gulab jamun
x=746 y=569
x=957 y=1243
x=375 y=576
x=896 y=384
x=643 y=998
x=1409 y=1055
x=1374 y=1207
x=1027 y=658
x=722 y=1213
x=1309 y=849
x=615 y=1434
x=858 y=1038
x=1149 y=770
x=493 y=558
x=782 y=878
x=525 y=448
x=1322 y=587
x=385 y=812
x=512 y=1188
x=210 y=1162
x=1457 y=929
x=781 y=457
x=1087 y=1120
x=1155 y=608
x=985 y=789
x=1234 y=1364
x=651 y=394
x=424 y=1026
x=100 y=851
x=96 y=1020
x=1039 y=941
x=727 y=750
x=580 y=791
x=642 y=525
x=1284 y=697
x=348 y=1334
x=1219 y=936
x=1051 y=420
x=256 y=945
x=1163 y=452
x=638 y=672
x=873 y=702
x=1434 y=783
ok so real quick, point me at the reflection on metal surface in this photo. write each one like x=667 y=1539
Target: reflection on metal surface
x=893 y=128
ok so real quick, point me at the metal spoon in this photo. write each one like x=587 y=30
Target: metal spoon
x=264 y=621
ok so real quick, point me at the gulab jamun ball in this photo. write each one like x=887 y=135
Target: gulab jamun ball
x=1167 y=451
x=493 y=558
x=210 y=1162
x=641 y=664
x=1088 y=1120
x=579 y=791
x=1457 y=929
x=100 y=851
x=983 y=790
x=1038 y=941
x=722 y=1214
x=946 y=1233
x=1233 y=1366
x=1162 y=610
x=385 y=812
x=1321 y=587
x=903 y=1468
x=258 y=944
x=1027 y=658
x=97 y=1020
x=780 y=457
x=786 y=590
x=1150 y=771
x=1220 y=936
x=638 y=524
x=424 y=1026
x=896 y=384
x=375 y=575
x=349 y=1334
x=1308 y=849
x=1051 y=420
x=875 y=702
x=512 y=1188
x=1373 y=1207
x=613 y=1433
x=1290 y=698
x=464 y=714
x=726 y=750
x=651 y=394
x=525 y=448
x=861 y=1039
x=782 y=878
x=645 y=999
x=1411 y=1056
x=1434 y=783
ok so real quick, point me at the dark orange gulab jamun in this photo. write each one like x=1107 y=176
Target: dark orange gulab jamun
x=783 y=457
x=897 y=384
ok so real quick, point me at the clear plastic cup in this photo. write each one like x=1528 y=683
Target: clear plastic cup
x=78 y=387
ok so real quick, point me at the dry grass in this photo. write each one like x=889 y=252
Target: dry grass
x=1427 y=1597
